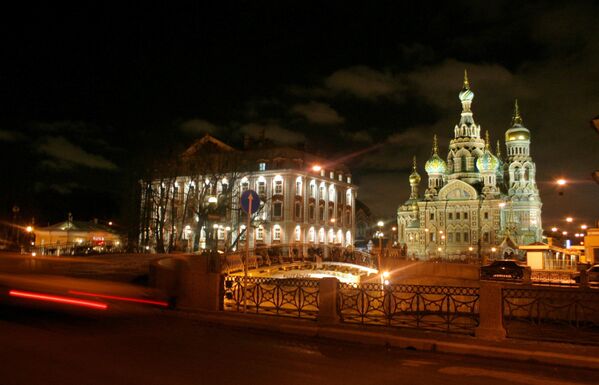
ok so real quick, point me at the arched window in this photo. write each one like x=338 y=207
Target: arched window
x=321 y=235
x=311 y=235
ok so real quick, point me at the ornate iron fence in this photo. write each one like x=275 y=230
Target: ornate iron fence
x=553 y=277
x=442 y=308
x=285 y=297
x=554 y=314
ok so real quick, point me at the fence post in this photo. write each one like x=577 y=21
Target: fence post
x=490 y=308
x=327 y=307
x=200 y=288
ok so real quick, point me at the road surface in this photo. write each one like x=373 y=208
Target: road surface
x=131 y=344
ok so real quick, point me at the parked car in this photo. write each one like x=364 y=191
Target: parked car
x=507 y=269
x=593 y=274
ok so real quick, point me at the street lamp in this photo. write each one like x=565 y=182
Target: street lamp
x=554 y=229
x=569 y=219
x=493 y=250
x=584 y=227
x=561 y=182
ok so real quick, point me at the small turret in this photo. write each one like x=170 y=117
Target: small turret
x=414 y=181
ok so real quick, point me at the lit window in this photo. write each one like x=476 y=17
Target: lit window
x=276 y=233
x=260 y=233
x=278 y=187
x=312 y=190
x=245 y=186
x=262 y=166
x=261 y=187
x=298 y=187
x=298 y=233
x=321 y=192
x=311 y=234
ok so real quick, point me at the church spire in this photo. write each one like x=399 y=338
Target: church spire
x=516 y=119
x=414 y=163
x=435 y=145
x=487 y=140
x=498 y=149
x=466 y=83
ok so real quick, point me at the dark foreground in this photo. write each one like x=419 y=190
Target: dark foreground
x=137 y=345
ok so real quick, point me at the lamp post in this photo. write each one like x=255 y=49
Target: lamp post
x=379 y=234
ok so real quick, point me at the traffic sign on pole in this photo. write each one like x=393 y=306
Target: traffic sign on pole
x=250 y=203
x=249 y=198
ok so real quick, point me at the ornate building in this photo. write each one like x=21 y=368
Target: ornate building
x=306 y=202
x=478 y=202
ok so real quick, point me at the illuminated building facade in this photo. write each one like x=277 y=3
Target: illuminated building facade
x=305 y=202
x=477 y=202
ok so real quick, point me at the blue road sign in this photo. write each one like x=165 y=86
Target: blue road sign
x=245 y=201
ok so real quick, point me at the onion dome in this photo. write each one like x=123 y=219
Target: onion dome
x=487 y=162
x=466 y=95
x=517 y=131
x=435 y=165
x=414 y=176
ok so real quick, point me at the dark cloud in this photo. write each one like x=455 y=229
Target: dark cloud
x=199 y=126
x=364 y=82
x=272 y=130
x=63 y=150
x=10 y=136
x=319 y=113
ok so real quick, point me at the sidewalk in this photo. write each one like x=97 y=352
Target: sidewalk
x=510 y=349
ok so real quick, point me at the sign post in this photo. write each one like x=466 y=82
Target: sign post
x=250 y=203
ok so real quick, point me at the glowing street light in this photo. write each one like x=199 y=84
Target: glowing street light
x=569 y=219
x=584 y=227
x=29 y=229
x=561 y=182
x=554 y=229
x=380 y=223
x=564 y=233
x=316 y=168
x=110 y=223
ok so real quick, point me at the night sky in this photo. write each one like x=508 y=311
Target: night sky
x=91 y=96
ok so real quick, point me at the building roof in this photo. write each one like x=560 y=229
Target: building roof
x=78 y=226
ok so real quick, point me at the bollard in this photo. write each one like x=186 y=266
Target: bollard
x=490 y=308
x=327 y=307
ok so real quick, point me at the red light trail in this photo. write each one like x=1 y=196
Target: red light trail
x=139 y=300
x=58 y=299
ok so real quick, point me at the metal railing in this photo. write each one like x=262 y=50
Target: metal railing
x=442 y=308
x=553 y=277
x=291 y=253
x=285 y=297
x=554 y=314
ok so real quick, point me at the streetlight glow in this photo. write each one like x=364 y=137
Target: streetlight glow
x=29 y=229
x=564 y=233
x=584 y=227
x=316 y=168
x=561 y=182
x=569 y=219
x=554 y=229
x=380 y=224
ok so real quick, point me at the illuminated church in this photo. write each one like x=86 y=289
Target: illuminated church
x=478 y=202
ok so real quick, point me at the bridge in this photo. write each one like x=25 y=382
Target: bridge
x=284 y=261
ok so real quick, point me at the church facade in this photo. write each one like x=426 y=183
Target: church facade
x=477 y=202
